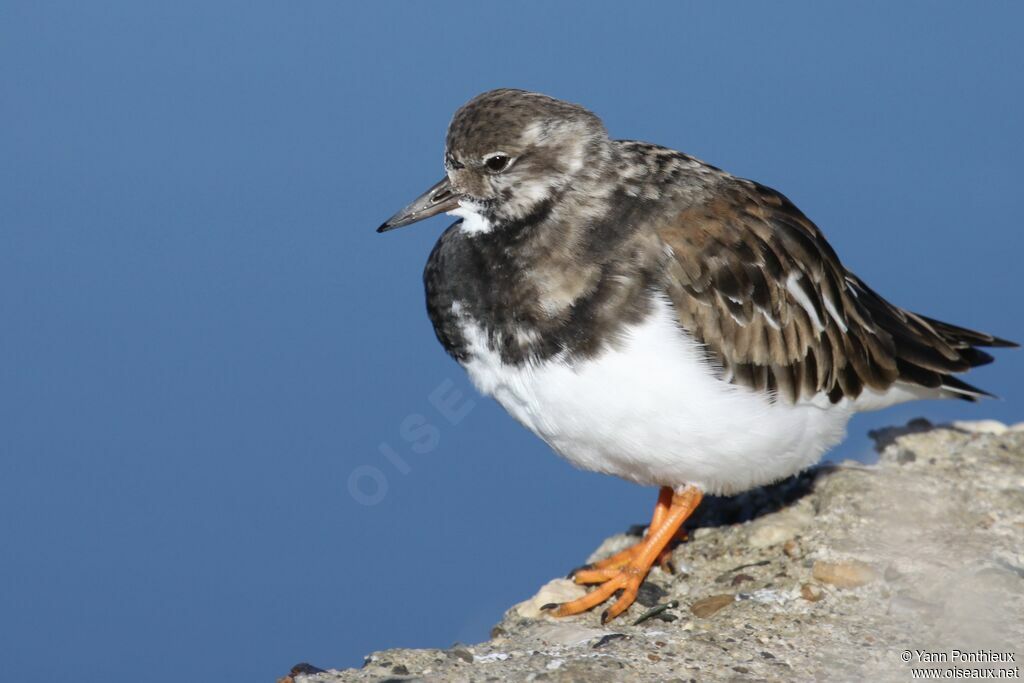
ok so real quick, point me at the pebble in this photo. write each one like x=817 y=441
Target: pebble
x=811 y=592
x=849 y=574
x=708 y=606
x=779 y=528
x=556 y=590
x=904 y=456
x=650 y=594
x=770 y=534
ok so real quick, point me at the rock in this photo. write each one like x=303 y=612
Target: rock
x=905 y=457
x=911 y=605
x=707 y=606
x=566 y=633
x=851 y=574
x=979 y=426
x=554 y=591
x=933 y=546
x=779 y=527
x=770 y=535
x=741 y=578
x=650 y=594
x=811 y=592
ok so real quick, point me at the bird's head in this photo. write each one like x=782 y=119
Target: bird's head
x=508 y=155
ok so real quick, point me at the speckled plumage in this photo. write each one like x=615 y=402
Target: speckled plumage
x=572 y=267
x=567 y=253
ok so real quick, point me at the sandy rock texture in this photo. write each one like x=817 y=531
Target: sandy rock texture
x=831 y=575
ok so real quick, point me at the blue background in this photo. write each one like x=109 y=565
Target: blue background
x=202 y=336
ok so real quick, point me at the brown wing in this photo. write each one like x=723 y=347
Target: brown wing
x=755 y=281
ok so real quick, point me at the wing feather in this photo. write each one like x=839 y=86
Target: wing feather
x=755 y=281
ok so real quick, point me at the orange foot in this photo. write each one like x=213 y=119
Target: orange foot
x=602 y=570
x=626 y=570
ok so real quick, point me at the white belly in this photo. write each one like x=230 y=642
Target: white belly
x=651 y=410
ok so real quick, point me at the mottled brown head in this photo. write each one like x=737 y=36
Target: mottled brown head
x=510 y=150
x=511 y=154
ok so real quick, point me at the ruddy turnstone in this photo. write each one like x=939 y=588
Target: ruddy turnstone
x=656 y=318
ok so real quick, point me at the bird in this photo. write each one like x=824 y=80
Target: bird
x=653 y=317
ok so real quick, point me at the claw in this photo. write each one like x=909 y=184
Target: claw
x=622 y=574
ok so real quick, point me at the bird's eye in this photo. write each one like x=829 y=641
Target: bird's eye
x=496 y=163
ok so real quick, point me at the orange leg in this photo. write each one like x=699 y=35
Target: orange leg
x=621 y=559
x=602 y=570
x=642 y=556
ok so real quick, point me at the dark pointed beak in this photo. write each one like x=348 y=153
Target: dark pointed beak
x=438 y=199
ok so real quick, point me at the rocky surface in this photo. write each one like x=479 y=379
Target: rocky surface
x=831 y=575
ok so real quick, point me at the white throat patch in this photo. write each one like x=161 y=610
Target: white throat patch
x=473 y=222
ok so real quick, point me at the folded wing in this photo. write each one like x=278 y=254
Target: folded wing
x=756 y=282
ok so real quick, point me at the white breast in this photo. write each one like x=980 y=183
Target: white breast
x=651 y=410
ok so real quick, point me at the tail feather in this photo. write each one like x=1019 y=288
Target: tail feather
x=957 y=388
x=966 y=343
x=930 y=352
x=975 y=356
x=961 y=335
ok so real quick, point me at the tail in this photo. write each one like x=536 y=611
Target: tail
x=965 y=342
x=930 y=352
